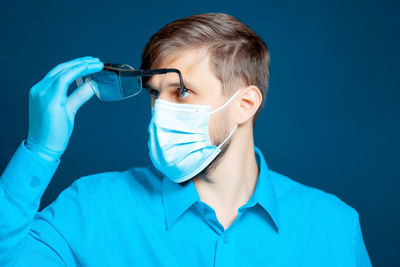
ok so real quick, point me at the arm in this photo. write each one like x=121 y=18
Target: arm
x=59 y=235
x=23 y=182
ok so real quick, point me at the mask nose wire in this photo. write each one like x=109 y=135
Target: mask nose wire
x=226 y=103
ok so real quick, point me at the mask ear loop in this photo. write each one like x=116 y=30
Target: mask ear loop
x=221 y=107
x=226 y=103
x=229 y=136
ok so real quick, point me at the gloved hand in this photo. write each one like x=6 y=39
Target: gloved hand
x=52 y=112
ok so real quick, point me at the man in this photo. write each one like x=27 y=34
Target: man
x=209 y=199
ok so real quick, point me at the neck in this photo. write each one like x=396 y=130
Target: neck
x=232 y=182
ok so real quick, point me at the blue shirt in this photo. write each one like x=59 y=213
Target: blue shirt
x=137 y=217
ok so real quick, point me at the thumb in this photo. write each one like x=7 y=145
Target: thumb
x=80 y=96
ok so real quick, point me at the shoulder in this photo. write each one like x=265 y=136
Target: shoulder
x=313 y=205
x=91 y=198
x=133 y=181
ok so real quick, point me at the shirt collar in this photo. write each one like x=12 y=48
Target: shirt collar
x=178 y=197
x=264 y=193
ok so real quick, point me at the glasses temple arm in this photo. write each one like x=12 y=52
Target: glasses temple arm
x=164 y=71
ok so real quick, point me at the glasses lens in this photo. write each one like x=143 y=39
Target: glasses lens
x=108 y=87
x=130 y=85
x=112 y=86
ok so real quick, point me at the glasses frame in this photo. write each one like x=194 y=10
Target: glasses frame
x=116 y=68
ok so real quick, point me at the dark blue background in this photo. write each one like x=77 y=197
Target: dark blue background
x=331 y=118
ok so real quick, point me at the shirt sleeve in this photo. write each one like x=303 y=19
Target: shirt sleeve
x=66 y=228
x=22 y=185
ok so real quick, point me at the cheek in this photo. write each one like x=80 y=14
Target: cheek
x=218 y=128
x=212 y=126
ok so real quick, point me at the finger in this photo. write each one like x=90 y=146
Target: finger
x=60 y=67
x=80 y=96
x=69 y=75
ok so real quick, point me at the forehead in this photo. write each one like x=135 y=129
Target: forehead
x=192 y=63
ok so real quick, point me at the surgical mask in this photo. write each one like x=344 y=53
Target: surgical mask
x=179 y=143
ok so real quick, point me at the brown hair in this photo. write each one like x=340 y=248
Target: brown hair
x=238 y=56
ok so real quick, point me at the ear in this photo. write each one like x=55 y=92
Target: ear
x=248 y=102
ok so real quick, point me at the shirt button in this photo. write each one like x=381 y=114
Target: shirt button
x=34 y=181
x=226 y=239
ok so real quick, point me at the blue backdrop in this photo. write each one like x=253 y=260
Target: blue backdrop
x=331 y=118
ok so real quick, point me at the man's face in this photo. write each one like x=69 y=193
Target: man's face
x=204 y=89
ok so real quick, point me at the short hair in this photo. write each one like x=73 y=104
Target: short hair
x=237 y=55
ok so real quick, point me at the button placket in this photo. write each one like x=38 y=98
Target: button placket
x=223 y=252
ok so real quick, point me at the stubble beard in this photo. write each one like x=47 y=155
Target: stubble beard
x=218 y=136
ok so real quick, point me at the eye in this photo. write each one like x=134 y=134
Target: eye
x=183 y=93
x=154 y=92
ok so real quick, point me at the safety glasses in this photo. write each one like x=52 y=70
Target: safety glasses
x=120 y=81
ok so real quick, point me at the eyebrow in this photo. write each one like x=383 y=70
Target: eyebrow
x=187 y=83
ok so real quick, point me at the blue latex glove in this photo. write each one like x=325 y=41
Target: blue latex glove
x=52 y=112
